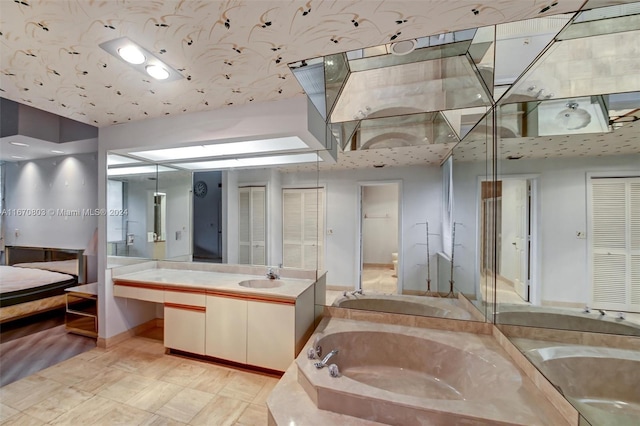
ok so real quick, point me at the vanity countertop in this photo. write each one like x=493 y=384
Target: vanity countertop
x=212 y=282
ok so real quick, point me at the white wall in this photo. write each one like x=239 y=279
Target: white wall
x=380 y=223
x=67 y=183
x=562 y=199
x=421 y=200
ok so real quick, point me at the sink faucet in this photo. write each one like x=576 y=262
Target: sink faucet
x=272 y=275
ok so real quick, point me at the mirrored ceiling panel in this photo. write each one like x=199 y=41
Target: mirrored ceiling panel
x=569 y=69
x=427 y=86
x=605 y=20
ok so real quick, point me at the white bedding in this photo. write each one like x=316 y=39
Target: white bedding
x=13 y=279
x=63 y=266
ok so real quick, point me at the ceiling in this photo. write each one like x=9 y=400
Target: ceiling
x=236 y=52
x=230 y=52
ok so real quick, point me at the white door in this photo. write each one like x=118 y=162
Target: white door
x=615 y=243
x=520 y=240
x=303 y=228
x=252 y=224
x=513 y=235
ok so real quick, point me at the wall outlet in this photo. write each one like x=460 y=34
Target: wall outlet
x=178 y=235
x=581 y=235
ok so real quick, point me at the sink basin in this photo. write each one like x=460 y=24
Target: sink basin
x=261 y=283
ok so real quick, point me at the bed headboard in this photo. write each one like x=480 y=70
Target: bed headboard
x=22 y=254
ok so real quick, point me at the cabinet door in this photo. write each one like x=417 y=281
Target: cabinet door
x=270 y=335
x=226 y=328
x=184 y=328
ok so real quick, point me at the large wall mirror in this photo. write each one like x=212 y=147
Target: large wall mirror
x=233 y=215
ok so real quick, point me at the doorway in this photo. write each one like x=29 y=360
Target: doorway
x=513 y=199
x=380 y=257
x=207 y=216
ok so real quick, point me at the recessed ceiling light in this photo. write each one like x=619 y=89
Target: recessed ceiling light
x=18 y=144
x=17 y=157
x=157 y=72
x=132 y=54
x=55 y=151
x=403 y=47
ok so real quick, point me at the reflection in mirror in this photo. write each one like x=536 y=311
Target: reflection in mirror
x=568 y=191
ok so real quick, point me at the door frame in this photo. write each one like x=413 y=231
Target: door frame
x=359 y=219
x=533 y=254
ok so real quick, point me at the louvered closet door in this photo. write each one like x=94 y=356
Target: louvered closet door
x=303 y=228
x=615 y=243
x=252 y=225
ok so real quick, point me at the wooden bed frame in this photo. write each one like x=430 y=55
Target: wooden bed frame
x=20 y=254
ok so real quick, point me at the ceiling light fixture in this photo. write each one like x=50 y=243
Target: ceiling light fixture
x=55 y=151
x=157 y=72
x=132 y=54
x=18 y=157
x=18 y=144
x=140 y=58
x=287 y=143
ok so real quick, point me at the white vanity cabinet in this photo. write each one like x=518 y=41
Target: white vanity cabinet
x=271 y=335
x=226 y=328
x=184 y=321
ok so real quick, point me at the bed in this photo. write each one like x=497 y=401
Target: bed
x=35 y=278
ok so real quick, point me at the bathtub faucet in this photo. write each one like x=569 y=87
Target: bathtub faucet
x=325 y=360
x=602 y=312
x=352 y=293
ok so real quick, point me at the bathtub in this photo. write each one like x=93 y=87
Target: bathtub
x=410 y=305
x=602 y=383
x=566 y=320
x=411 y=376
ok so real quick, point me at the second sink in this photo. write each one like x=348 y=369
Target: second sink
x=261 y=283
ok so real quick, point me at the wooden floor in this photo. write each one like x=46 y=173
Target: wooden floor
x=135 y=383
x=33 y=344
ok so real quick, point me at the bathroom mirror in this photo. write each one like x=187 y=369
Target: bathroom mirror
x=182 y=215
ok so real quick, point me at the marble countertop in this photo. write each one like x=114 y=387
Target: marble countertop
x=215 y=282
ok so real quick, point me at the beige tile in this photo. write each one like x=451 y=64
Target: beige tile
x=159 y=366
x=253 y=415
x=71 y=371
x=86 y=413
x=214 y=379
x=58 y=404
x=122 y=414
x=103 y=379
x=7 y=412
x=134 y=361
x=157 y=420
x=244 y=386
x=185 y=405
x=154 y=396
x=22 y=420
x=184 y=373
x=221 y=411
x=262 y=396
x=28 y=391
x=90 y=355
x=126 y=388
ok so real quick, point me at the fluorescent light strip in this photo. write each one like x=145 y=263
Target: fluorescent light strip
x=275 y=160
x=138 y=170
x=18 y=144
x=115 y=160
x=223 y=149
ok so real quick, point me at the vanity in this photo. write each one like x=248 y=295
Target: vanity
x=227 y=312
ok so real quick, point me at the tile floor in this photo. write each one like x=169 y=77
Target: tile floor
x=136 y=383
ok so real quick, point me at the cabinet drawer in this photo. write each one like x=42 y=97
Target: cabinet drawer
x=184 y=329
x=185 y=298
x=124 y=291
x=150 y=295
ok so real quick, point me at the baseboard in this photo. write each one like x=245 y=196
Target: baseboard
x=118 y=338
